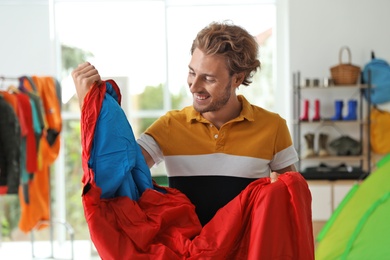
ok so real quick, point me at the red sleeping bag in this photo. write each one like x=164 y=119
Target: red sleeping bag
x=265 y=221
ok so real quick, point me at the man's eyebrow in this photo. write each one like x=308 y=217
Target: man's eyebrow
x=204 y=74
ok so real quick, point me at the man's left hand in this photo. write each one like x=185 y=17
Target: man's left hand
x=274 y=176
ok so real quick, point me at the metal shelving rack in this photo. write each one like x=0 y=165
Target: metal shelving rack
x=365 y=158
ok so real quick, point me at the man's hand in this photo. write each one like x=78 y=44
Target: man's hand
x=84 y=76
x=274 y=176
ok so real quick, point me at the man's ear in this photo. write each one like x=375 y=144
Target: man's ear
x=238 y=79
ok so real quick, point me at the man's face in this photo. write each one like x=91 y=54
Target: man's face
x=209 y=82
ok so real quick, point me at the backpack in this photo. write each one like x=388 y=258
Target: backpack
x=379 y=93
x=379 y=131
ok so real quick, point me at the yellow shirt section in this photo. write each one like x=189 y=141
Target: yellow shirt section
x=256 y=133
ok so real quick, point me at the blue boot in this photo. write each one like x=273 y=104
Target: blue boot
x=352 y=110
x=338 y=106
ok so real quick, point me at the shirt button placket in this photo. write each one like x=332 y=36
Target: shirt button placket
x=214 y=131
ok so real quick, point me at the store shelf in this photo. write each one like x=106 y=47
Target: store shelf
x=327 y=96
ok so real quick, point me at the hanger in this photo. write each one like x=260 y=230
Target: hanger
x=12 y=89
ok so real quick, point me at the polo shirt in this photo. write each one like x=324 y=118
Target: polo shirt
x=212 y=166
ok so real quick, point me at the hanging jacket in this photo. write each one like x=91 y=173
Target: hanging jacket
x=30 y=149
x=35 y=198
x=265 y=221
x=9 y=149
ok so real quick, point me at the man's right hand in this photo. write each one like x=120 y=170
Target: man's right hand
x=84 y=76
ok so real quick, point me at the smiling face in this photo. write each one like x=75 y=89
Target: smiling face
x=211 y=85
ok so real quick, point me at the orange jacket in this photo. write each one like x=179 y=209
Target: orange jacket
x=38 y=206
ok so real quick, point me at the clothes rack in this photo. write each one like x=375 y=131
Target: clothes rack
x=3 y=87
x=8 y=78
x=4 y=79
x=11 y=81
x=51 y=223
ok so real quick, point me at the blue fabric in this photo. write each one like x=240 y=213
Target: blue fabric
x=116 y=159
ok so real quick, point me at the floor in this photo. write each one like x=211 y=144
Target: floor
x=82 y=250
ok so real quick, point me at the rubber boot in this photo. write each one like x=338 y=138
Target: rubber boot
x=316 y=116
x=322 y=145
x=305 y=114
x=352 y=110
x=338 y=106
x=309 y=137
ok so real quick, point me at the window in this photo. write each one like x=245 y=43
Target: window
x=185 y=20
x=145 y=47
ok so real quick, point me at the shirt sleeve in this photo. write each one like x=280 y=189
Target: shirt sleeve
x=150 y=145
x=155 y=137
x=285 y=153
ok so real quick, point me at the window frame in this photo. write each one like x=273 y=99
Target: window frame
x=281 y=74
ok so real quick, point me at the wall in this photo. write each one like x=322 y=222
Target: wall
x=26 y=46
x=319 y=28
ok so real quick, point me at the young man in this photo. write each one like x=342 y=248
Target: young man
x=216 y=147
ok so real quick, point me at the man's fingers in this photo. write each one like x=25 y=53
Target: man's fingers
x=86 y=73
x=78 y=71
x=274 y=176
x=84 y=76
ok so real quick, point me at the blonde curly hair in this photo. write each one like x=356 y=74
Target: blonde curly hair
x=239 y=48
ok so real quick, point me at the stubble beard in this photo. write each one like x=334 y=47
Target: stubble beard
x=216 y=104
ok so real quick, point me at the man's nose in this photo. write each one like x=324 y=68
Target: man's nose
x=194 y=84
